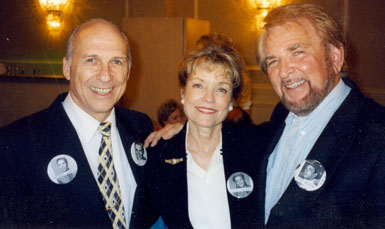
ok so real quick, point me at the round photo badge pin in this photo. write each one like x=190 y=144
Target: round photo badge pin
x=240 y=185
x=310 y=175
x=62 y=169
x=138 y=153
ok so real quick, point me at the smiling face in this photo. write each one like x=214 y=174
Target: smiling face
x=99 y=69
x=207 y=96
x=301 y=67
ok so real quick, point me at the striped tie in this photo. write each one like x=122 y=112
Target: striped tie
x=108 y=181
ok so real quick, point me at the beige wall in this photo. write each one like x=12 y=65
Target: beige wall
x=161 y=8
x=157 y=56
x=21 y=97
x=366 y=46
x=158 y=46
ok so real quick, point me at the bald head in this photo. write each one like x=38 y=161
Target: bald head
x=92 y=23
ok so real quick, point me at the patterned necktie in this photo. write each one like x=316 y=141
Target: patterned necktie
x=108 y=181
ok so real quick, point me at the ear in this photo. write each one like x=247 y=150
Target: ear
x=337 y=55
x=181 y=92
x=128 y=73
x=66 y=69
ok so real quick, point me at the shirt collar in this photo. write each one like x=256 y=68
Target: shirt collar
x=86 y=125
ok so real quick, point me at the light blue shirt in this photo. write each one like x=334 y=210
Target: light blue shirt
x=297 y=139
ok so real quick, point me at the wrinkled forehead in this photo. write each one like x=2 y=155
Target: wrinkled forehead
x=300 y=31
x=99 y=31
x=302 y=26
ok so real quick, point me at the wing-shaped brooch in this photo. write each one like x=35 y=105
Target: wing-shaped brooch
x=174 y=161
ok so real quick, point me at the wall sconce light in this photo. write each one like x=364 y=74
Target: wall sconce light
x=262 y=8
x=54 y=10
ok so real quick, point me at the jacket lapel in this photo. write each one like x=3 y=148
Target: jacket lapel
x=84 y=185
x=130 y=132
x=177 y=177
x=127 y=140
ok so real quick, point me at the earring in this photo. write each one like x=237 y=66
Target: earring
x=231 y=107
x=182 y=100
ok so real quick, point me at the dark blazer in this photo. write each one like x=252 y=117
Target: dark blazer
x=352 y=150
x=241 y=150
x=28 y=196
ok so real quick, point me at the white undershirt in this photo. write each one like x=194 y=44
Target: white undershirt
x=207 y=194
x=87 y=129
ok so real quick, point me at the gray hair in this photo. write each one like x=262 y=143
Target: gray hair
x=327 y=28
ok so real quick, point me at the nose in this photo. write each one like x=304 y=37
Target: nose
x=105 y=74
x=285 y=68
x=209 y=96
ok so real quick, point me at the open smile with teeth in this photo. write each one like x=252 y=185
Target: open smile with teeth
x=296 y=84
x=206 y=110
x=101 y=91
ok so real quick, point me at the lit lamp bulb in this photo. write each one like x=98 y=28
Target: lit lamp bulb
x=54 y=21
x=260 y=18
x=53 y=5
x=260 y=4
x=262 y=8
x=54 y=10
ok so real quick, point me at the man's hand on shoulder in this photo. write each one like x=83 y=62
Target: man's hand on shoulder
x=167 y=132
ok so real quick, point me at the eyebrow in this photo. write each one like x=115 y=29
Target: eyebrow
x=120 y=57
x=95 y=55
x=294 y=47
x=89 y=55
x=225 y=82
x=291 y=48
x=269 y=58
x=195 y=78
x=202 y=80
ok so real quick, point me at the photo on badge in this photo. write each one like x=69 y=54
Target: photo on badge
x=62 y=169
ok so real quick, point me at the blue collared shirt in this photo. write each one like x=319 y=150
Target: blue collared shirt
x=297 y=139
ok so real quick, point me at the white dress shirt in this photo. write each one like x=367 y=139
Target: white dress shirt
x=207 y=194
x=296 y=142
x=87 y=129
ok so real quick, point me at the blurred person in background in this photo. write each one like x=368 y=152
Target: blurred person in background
x=170 y=112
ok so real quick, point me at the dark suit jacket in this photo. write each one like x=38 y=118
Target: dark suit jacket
x=28 y=196
x=241 y=150
x=352 y=150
